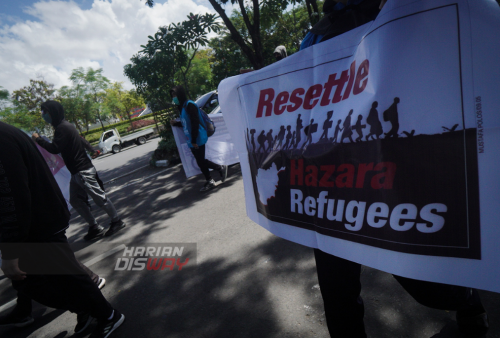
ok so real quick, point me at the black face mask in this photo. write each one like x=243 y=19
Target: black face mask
x=278 y=57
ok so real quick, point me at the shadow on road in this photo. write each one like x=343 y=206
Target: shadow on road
x=149 y=204
x=128 y=166
x=269 y=289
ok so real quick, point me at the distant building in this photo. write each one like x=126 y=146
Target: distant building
x=136 y=111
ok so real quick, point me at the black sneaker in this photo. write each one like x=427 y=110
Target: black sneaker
x=15 y=320
x=94 y=232
x=105 y=327
x=83 y=321
x=223 y=173
x=473 y=326
x=114 y=227
x=208 y=186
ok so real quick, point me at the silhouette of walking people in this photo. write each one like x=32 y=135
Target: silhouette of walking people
x=450 y=129
x=374 y=122
x=261 y=139
x=293 y=144
x=359 y=128
x=281 y=136
x=336 y=133
x=409 y=134
x=298 y=130
x=288 y=137
x=327 y=125
x=391 y=115
x=310 y=129
x=347 y=133
x=252 y=133
x=270 y=139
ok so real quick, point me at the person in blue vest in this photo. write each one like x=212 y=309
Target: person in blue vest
x=192 y=124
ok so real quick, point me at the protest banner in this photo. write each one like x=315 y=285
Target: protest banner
x=218 y=149
x=381 y=145
x=58 y=168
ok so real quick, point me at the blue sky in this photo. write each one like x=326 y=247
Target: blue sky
x=49 y=38
x=14 y=9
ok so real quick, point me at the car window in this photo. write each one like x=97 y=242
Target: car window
x=107 y=135
x=211 y=103
x=214 y=100
x=202 y=100
x=216 y=110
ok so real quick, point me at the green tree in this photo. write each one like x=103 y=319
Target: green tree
x=4 y=95
x=286 y=28
x=165 y=60
x=199 y=76
x=27 y=104
x=33 y=95
x=112 y=104
x=253 y=14
x=6 y=111
x=131 y=99
x=77 y=106
x=19 y=117
x=92 y=84
x=226 y=58
x=119 y=102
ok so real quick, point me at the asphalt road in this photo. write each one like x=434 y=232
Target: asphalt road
x=130 y=158
x=247 y=283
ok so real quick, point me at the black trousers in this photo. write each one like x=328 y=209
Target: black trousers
x=340 y=286
x=24 y=305
x=203 y=163
x=56 y=279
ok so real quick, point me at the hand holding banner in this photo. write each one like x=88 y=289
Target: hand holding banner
x=219 y=148
x=372 y=146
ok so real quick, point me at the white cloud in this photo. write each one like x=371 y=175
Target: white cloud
x=65 y=37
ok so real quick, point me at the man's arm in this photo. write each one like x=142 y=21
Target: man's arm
x=54 y=147
x=87 y=145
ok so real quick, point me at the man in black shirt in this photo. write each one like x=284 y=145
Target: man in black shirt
x=84 y=178
x=36 y=255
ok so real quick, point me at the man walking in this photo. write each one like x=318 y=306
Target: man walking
x=36 y=254
x=20 y=316
x=84 y=180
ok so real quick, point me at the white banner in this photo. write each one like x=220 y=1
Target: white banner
x=59 y=170
x=218 y=149
x=381 y=145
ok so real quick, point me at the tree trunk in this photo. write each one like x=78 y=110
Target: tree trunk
x=155 y=119
x=255 y=57
x=130 y=118
x=100 y=120
x=309 y=11
x=184 y=74
x=75 y=121
x=315 y=18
